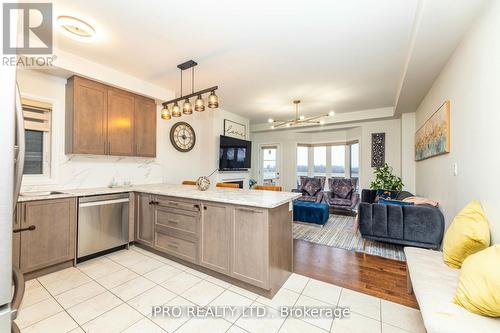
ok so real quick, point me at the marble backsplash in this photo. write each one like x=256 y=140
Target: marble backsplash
x=87 y=171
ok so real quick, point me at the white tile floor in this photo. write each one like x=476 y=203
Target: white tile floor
x=115 y=293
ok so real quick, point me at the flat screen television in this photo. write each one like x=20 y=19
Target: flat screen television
x=234 y=154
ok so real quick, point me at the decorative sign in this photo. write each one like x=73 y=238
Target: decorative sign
x=378 y=149
x=234 y=129
x=433 y=138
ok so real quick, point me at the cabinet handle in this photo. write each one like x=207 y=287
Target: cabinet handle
x=197 y=207
x=247 y=210
x=205 y=207
x=30 y=228
x=109 y=148
x=173 y=246
x=173 y=221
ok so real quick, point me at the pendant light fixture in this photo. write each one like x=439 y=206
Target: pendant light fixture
x=165 y=113
x=176 y=110
x=199 y=105
x=213 y=100
x=299 y=119
x=187 y=107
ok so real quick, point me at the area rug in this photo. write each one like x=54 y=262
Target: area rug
x=340 y=232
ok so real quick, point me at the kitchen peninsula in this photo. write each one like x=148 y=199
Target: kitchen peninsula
x=243 y=236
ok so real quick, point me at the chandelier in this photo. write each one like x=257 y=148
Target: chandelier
x=187 y=108
x=298 y=120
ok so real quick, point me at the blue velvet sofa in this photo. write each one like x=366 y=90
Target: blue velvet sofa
x=419 y=225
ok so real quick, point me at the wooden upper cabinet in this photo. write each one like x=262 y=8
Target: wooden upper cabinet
x=86 y=116
x=145 y=127
x=120 y=123
x=103 y=120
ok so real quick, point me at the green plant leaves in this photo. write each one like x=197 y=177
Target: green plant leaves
x=386 y=180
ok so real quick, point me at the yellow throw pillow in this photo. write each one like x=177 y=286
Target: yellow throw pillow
x=468 y=233
x=479 y=285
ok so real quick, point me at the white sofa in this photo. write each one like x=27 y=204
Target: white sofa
x=434 y=285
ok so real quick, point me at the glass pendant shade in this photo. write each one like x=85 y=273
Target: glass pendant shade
x=199 y=104
x=176 y=110
x=187 y=108
x=213 y=101
x=165 y=113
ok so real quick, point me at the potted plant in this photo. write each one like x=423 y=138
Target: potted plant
x=386 y=182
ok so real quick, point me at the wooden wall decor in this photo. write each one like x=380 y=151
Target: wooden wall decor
x=378 y=149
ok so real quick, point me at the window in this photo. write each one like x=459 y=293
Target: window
x=319 y=161
x=302 y=161
x=354 y=156
x=328 y=160
x=37 y=118
x=338 y=161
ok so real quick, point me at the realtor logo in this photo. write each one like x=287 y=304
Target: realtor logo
x=34 y=28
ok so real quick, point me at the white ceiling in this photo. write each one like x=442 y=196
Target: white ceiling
x=345 y=55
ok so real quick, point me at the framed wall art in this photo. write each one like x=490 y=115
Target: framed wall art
x=378 y=149
x=235 y=130
x=433 y=138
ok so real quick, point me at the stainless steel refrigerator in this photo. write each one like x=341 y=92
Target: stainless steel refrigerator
x=12 y=150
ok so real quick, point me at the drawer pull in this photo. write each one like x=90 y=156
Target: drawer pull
x=30 y=228
x=173 y=246
x=173 y=221
x=247 y=210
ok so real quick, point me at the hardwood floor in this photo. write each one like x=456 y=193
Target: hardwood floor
x=372 y=275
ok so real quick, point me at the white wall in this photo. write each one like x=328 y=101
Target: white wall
x=408 y=151
x=83 y=171
x=471 y=81
x=288 y=140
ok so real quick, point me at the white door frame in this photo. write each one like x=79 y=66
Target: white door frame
x=278 y=161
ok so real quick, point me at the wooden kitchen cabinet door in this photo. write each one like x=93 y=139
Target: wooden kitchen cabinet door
x=215 y=242
x=145 y=127
x=86 y=117
x=120 y=123
x=53 y=239
x=250 y=246
x=145 y=219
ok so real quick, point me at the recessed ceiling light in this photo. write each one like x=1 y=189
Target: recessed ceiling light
x=321 y=122
x=331 y=113
x=270 y=120
x=76 y=29
x=302 y=117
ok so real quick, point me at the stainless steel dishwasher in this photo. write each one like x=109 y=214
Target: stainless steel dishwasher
x=102 y=223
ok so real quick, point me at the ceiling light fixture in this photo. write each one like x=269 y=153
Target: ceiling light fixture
x=76 y=29
x=187 y=107
x=298 y=120
x=165 y=113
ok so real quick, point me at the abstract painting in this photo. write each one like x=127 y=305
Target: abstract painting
x=378 y=149
x=433 y=138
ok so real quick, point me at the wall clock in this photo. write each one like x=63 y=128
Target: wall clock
x=182 y=136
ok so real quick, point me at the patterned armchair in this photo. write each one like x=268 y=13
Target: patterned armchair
x=342 y=194
x=311 y=188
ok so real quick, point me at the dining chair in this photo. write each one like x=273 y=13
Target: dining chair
x=268 y=188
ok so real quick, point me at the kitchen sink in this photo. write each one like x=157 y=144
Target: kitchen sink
x=40 y=193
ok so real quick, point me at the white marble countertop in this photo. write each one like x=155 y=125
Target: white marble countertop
x=252 y=198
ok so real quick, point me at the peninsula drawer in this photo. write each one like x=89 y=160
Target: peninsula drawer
x=181 y=248
x=177 y=219
x=178 y=204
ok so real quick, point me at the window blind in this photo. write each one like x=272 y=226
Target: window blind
x=36 y=115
